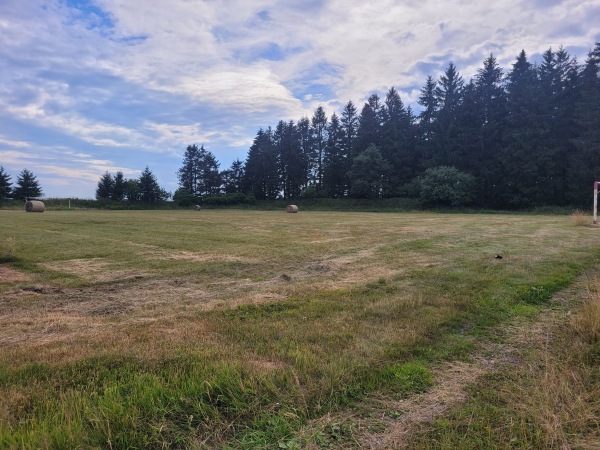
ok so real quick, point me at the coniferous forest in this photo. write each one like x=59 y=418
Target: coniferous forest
x=517 y=138
x=510 y=138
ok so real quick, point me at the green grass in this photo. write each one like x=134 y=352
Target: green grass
x=234 y=328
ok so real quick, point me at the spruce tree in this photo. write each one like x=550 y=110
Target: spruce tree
x=319 y=140
x=334 y=164
x=27 y=186
x=233 y=177
x=105 y=188
x=189 y=173
x=448 y=95
x=427 y=122
x=199 y=174
x=149 y=190
x=261 y=177
x=5 y=184
x=118 y=191
x=369 y=125
x=523 y=152
x=397 y=144
x=349 y=129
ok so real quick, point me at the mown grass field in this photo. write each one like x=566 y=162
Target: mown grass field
x=234 y=329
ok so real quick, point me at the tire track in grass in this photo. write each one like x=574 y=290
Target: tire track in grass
x=381 y=422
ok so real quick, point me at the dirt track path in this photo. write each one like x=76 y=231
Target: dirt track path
x=383 y=423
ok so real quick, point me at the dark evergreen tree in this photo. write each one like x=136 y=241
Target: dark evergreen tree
x=484 y=113
x=190 y=172
x=27 y=186
x=149 y=190
x=293 y=160
x=468 y=152
x=448 y=95
x=523 y=159
x=369 y=126
x=319 y=141
x=349 y=130
x=5 y=185
x=305 y=143
x=397 y=143
x=210 y=181
x=105 y=188
x=233 y=177
x=199 y=173
x=118 y=191
x=261 y=178
x=426 y=122
x=559 y=110
x=335 y=160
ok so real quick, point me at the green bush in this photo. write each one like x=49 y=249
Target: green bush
x=228 y=200
x=447 y=186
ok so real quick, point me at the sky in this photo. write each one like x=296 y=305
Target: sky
x=90 y=86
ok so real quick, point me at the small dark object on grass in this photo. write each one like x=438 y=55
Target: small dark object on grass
x=498 y=256
x=286 y=277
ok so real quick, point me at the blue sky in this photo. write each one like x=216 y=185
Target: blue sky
x=89 y=86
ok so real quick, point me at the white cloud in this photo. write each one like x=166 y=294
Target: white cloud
x=10 y=143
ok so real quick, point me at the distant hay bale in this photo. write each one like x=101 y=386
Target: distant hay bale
x=292 y=209
x=197 y=207
x=34 y=206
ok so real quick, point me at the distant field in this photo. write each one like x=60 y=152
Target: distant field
x=235 y=328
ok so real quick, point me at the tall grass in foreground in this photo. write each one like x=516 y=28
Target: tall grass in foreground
x=549 y=401
x=580 y=218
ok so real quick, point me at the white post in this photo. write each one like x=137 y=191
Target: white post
x=595 y=202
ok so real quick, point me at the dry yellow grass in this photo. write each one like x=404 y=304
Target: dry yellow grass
x=580 y=218
x=138 y=281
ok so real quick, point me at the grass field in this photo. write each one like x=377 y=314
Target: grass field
x=234 y=329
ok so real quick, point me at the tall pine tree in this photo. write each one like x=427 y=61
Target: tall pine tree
x=27 y=186
x=5 y=185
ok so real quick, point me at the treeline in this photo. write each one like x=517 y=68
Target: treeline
x=144 y=189
x=27 y=186
x=526 y=137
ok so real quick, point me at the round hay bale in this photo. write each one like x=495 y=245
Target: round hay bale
x=292 y=209
x=197 y=207
x=34 y=206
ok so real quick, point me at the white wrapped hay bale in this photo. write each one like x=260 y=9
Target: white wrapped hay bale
x=292 y=209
